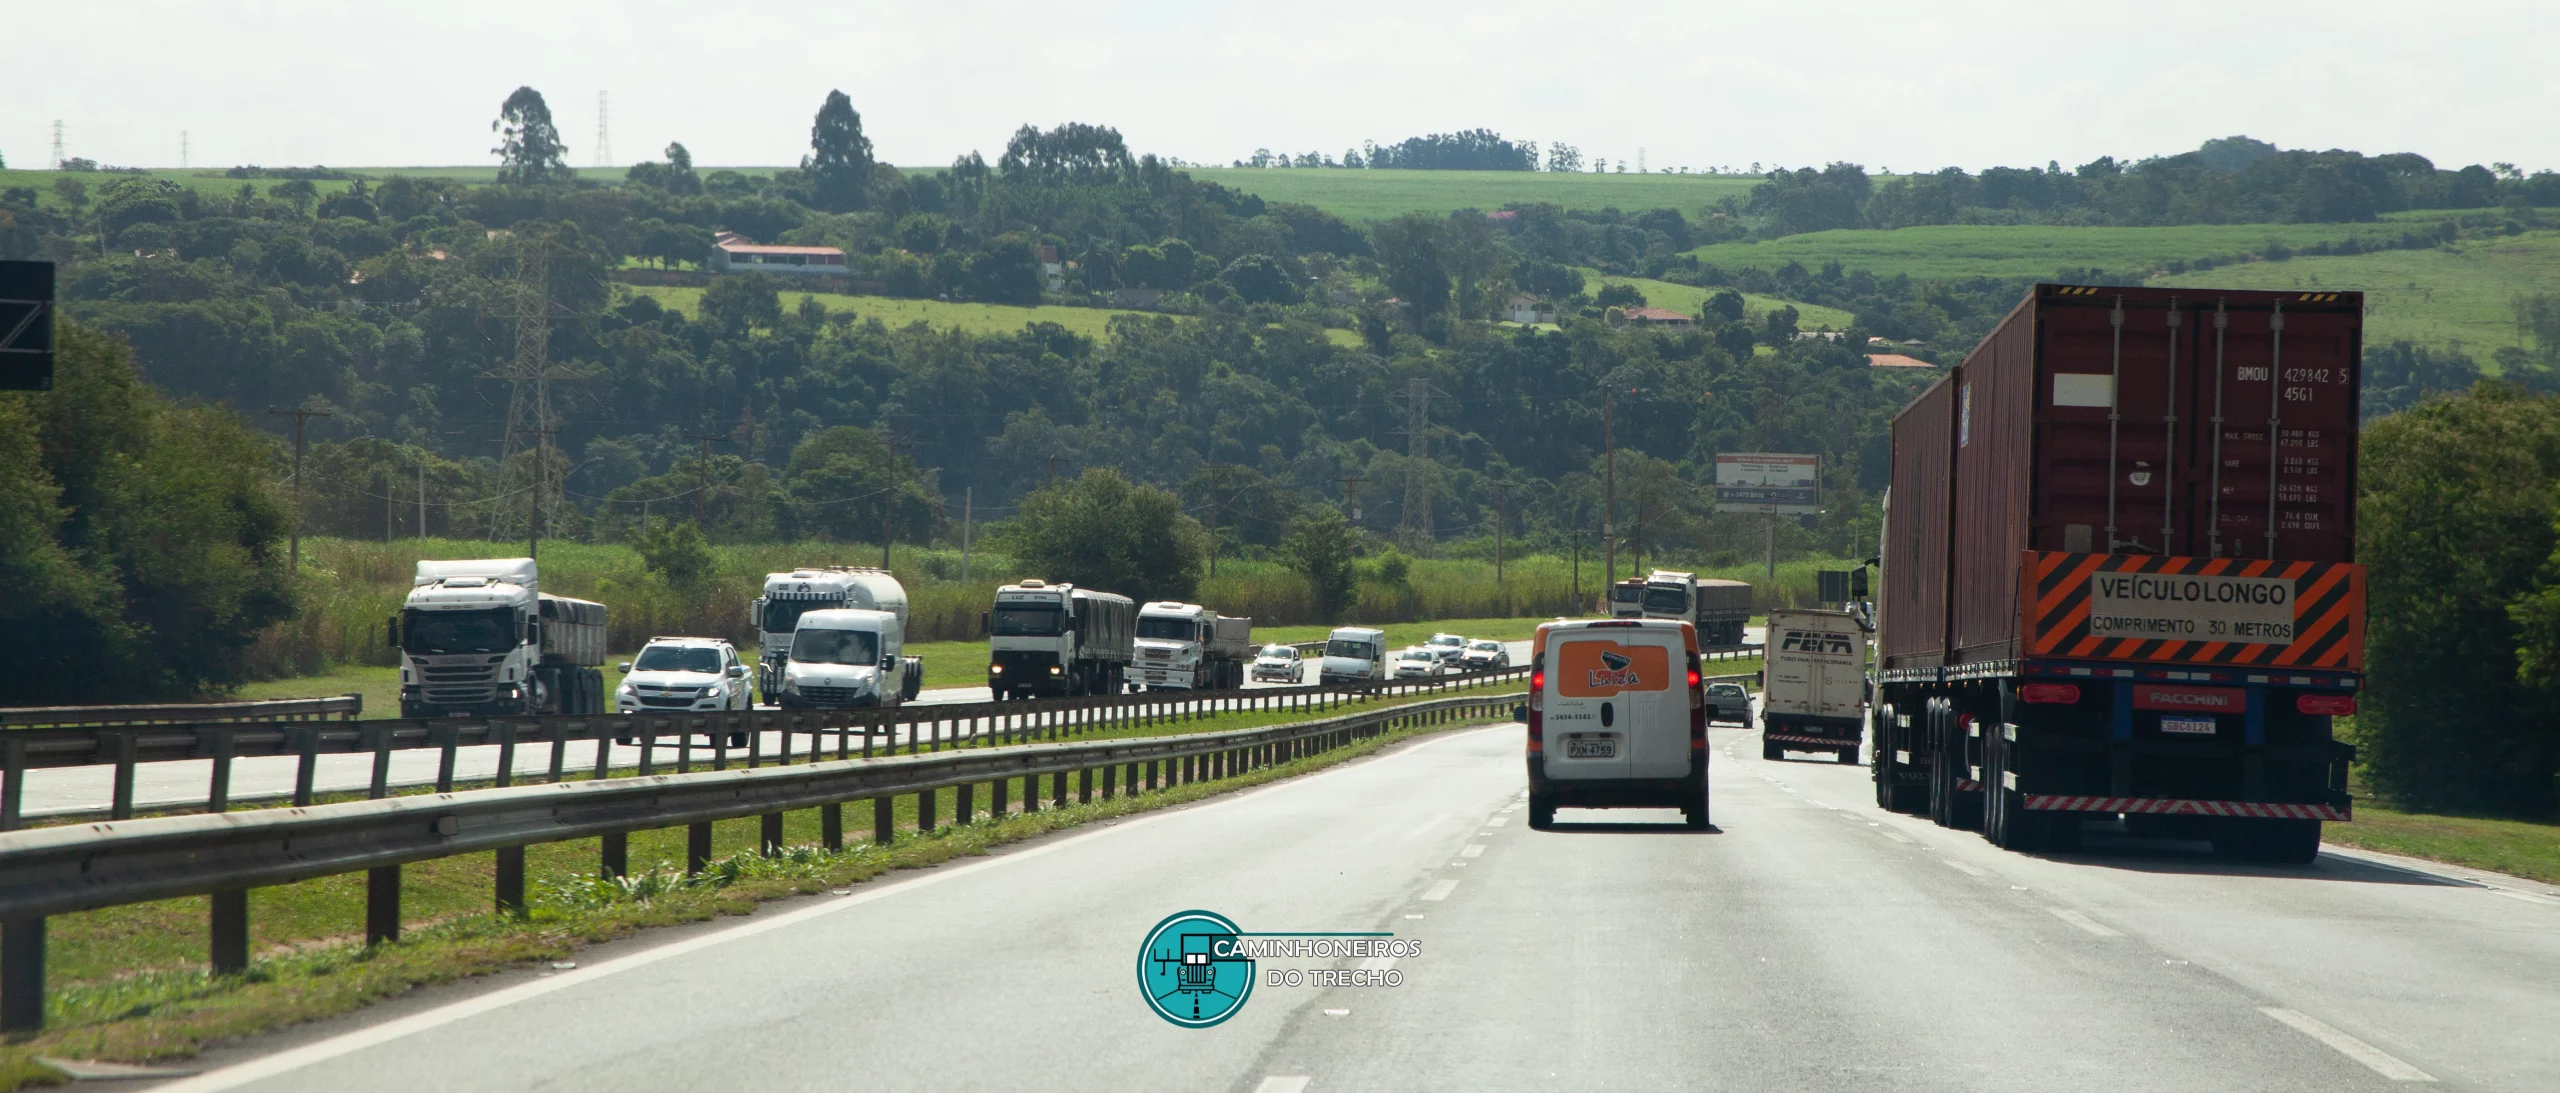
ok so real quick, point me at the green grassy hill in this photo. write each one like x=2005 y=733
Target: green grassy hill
x=2433 y=297
x=1378 y=195
x=1690 y=300
x=1966 y=250
x=1092 y=322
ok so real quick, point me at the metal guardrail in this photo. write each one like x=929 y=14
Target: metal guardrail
x=59 y=870
x=223 y=742
x=335 y=708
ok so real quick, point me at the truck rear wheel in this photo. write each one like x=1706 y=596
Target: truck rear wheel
x=2270 y=842
x=1542 y=811
x=1849 y=756
x=1697 y=808
x=1770 y=750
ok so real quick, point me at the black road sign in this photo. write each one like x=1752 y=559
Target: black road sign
x=26 y=326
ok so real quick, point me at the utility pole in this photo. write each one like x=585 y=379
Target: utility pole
x=1609 y=517
x=702 y=472
x=1416 y=525
x=1351 y=495
x=1771 y=574
x=1053 y=472
x=968 y=501
x=889 y=501
x=299 y=417
x=422 y=495
x=1501 y=510
x=541 y=482
x=1577 y=570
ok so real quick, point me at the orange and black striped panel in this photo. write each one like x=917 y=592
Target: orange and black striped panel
x=2177 y=619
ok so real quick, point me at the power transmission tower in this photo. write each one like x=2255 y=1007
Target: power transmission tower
x=529 y=376
x=299 y=417
x=57 y=144
x=1417 y=527
x=604 y=135
x=182 y=149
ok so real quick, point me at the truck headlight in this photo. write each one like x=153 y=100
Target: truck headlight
x=1056 y=670
x=995 y=669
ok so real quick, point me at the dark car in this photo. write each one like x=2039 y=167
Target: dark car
x=1728 y=702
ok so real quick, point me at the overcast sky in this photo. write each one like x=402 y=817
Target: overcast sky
x=1899 y=85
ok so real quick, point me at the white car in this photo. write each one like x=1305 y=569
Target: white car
x=1279 y=664
x=687 y=675
x=1448 y=647
x=1485 y=656
x=1416 y=662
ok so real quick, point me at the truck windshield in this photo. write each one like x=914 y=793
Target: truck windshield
x=490 y=630
x=1666 y=599
x=860 y=647
x=782 y=616
x=1355 y=650
x=678 y=658
x=1625 y=593
x=1028 y=620
x=1168 y=629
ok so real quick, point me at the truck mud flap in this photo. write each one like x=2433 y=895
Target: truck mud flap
x=2170 y=806
x=1808 y=741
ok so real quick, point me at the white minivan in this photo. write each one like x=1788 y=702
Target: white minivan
x=1353 y=654
x=1616 y=718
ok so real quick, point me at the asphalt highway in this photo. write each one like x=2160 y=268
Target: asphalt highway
x=1808 y=942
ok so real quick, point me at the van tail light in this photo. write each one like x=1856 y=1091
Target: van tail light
x=1537 y=730
x=2326 y=705
x=1697 y=710
x=1537 y=684
x=2050 y=694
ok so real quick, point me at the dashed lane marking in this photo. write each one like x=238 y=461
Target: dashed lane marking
x=1965 y=868
x=2082 y=921
x=2374 y=1058
x=1287 y=1083
x=1898 y=837
x=1439 y=891
x=1472 y=850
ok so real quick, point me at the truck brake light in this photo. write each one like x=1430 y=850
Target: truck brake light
x=2055 y=694
x=2326 y=705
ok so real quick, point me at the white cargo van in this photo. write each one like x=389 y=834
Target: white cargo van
x=1616 y=718
x=1353 y=654
x=1813 y=692
x=848 y=657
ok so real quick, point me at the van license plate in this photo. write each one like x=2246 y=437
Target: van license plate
x=2192 y=726
x=1590 y=747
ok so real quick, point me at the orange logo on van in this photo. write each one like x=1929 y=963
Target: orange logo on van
x=1598 y=669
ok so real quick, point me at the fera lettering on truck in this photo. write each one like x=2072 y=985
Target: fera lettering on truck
x=1816 y=641
x=1590 y=668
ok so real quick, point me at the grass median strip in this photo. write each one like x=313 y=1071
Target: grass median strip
x=2521 y=848
x=129 y=985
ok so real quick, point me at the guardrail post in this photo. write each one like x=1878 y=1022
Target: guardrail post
x=769 y=834
x=697 y=847
x=1084 y=786
x=755 y=740
x=447 y=739
x=1110 y=776
x=1030 y=794
x=381 y=737
x=230 y=948
x=996 y=793
x=616 y=855
x=559 y=749
x=964 y=803
x=22 y=975
x=125 y=747
x=884 y=821
x=924 y=811
x=831 y=826
x=1058 y=789
x=510 y=895
x=13 y=782
x=382 y=905
x=505 y=731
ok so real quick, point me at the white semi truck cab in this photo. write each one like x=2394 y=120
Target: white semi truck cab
x=1184 y=646
x=479 y=638
x=842 y=658
x=787 y=596
x=1055 y=640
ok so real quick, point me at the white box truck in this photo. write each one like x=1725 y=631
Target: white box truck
x=1813 y=684
x=1057 y=640
x=1184 y=646
x=479 y=638
x=787 y=596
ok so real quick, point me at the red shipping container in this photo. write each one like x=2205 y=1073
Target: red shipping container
x=2197 y=432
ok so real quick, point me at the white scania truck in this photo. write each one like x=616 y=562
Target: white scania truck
x=1718 y=609
x=1055 y=640
x=787 y=596
x=1184 y=646
x=479 y=638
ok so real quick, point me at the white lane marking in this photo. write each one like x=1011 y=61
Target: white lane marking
x=1472 y=850
x=284 y=1062
x=1497 y=821
x=2374 y=1058
x=1897 y=836
x=1287 y=1083
x=1965 y=868
x=1440 y=891
x=2528 y=897
x=2082 y=921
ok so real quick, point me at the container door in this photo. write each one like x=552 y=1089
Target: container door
x=1613 y=709
x=2107 y=485
x=2300 y=385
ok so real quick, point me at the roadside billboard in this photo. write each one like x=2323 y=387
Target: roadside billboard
x=1774 y=484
